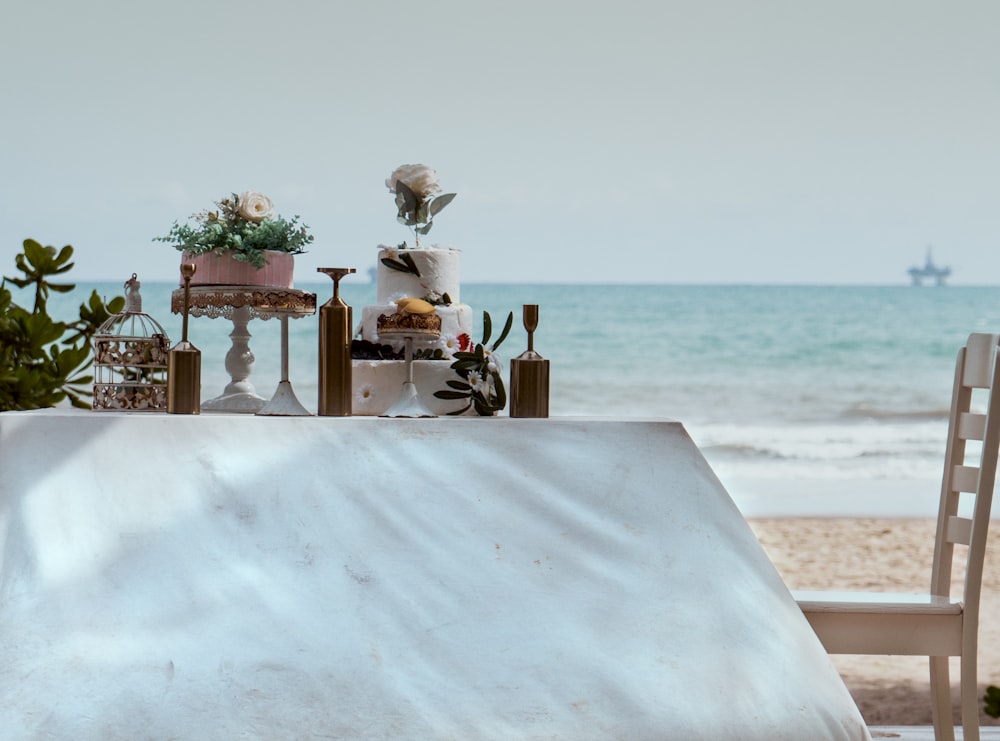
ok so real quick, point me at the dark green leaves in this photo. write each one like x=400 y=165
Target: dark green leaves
x=40 y=366
x=404 y=264
x=481 y=381
x=38 y=262
x=506 y=331
x=991 y=701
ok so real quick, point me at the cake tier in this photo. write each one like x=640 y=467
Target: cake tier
x=222 y=269
x=378 y=383
x=456 y=320
x=438 y=268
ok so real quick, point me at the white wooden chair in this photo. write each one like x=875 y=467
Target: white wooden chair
x=936 y=624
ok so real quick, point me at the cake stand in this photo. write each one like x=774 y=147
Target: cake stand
x=408 y=404
x=240 y=304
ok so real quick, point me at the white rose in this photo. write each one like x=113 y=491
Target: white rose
x=421 y=179
x=254 y=206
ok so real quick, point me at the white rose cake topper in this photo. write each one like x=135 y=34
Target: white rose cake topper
x=254 y=206
x=417 y=200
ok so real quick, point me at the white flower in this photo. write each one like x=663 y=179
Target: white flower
x=449 y=345
x=365 y=393
x=254 y=206
x=492 y=361
x=475 y=381
x=421 y=179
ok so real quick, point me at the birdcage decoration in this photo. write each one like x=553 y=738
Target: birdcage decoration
x=130 y=359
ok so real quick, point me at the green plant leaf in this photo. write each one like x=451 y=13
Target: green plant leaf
x=460 y=385
x=402 y=267
x=440 y=202
x=506 y=331
x=501 y=392
x=445 y=394
x=991 y=701
x=408 y=259
x=487 y=327
x=406 y=199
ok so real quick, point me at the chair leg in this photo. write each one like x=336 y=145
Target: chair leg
x=970 y=699
x=941 y=712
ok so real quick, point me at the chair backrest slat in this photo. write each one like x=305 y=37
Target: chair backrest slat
x=964 y=478
x=972 y=426
x=979 y=353
x=959 y=530
x=969 y=473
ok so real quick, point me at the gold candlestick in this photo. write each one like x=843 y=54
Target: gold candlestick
x=529 y=374
x=335 y=378
x=184 y=362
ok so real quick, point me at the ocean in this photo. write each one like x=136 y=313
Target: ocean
x=842 y=392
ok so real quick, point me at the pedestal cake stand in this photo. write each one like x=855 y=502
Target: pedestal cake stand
x=408 y=404
x=240 y=304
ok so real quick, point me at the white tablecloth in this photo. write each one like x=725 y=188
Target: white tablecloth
x=223 y=577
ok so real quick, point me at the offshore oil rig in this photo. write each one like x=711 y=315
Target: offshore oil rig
x=929 y=271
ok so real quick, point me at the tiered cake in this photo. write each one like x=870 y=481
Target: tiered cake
x=430 y=274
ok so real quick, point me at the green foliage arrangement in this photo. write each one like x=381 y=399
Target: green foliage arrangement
x=991 y=701
x=482 y=380
x=245 y=225
x=43 y=361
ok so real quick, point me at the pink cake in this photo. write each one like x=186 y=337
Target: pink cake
x=220 y=269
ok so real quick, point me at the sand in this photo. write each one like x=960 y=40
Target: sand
x=890 y=555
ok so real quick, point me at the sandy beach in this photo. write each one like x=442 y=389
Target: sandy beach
x=880 y=554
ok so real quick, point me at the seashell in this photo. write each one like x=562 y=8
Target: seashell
x=414 y=306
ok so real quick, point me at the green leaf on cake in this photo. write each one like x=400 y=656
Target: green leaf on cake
x=408 y=259
x=487 y=327
x=404 y=264
x=440 y=202
x=406 y=199
x=506 y=331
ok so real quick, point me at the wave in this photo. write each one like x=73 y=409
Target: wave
x=865 y=411
x=742 y=450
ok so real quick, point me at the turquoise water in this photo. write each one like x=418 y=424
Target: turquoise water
x=815 y=382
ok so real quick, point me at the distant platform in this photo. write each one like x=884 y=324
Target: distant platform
x=929 y=271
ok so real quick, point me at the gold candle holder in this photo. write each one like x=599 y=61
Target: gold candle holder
x=529 y=374
x=335 y=384
x=184 y=362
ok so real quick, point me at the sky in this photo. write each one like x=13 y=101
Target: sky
x=719 y=141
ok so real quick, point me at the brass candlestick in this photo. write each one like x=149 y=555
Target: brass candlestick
x=335 y=351
x=184 y=362
x=529 y=374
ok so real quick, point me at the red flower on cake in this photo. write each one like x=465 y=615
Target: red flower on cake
x=464 y=342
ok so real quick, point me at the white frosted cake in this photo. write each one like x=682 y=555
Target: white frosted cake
x=437 y=282
x=430 y=274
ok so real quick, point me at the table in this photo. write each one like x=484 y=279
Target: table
x=240 y=304
x=231 y=576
